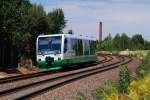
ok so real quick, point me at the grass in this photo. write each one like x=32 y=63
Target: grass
x=81 y=96
x=139 y=53
x=100 y=93
x=138 y=89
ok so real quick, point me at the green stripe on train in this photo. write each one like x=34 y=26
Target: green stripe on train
x=59 y=63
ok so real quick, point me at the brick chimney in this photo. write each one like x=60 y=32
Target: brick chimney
x=100 y=31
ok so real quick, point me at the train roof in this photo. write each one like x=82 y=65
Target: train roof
x=71 y=36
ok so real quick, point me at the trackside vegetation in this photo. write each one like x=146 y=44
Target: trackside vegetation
x=143 y=69
x=21 y=22
x=124 y=80
x=126 y=88
x=123 y=42
x=139 y=53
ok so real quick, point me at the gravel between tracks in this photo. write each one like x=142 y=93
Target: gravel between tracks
x=86 y=85
x=71 y=90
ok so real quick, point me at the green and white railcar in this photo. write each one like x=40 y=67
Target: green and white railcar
x=63 y=50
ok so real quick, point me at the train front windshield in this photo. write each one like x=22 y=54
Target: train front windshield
x=49 y=45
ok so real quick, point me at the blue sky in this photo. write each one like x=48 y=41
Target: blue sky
x=118 y=16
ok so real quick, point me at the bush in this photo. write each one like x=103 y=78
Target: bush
x=137 y=90
x=124 y=80
x=126 y=90
x=144 y=68
x=101 y=93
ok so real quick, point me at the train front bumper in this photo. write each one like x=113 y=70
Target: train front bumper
x=44 y=66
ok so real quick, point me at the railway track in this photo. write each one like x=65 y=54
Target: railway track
x=106 y=58
x=32 y=89
x=19 y=81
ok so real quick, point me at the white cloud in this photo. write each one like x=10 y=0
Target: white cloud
x=118 y=16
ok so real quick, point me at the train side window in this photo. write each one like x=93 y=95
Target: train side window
x=70 y=47
x=86 y=47
x=80 y=48
x=92 y=47
x=74 y=44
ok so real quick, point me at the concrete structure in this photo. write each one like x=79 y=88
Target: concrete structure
x=100 y=31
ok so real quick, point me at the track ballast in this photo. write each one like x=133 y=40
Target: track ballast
x=41 y=86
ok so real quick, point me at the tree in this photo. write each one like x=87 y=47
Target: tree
x=147 y=45
x=137 y=42
x=13 y=30
x=37 y=24
x=116 y=42
x=107 y=44
x=21 y=22
x=36 y=17
x=124 y=41
x=13 y=15
x=56 y=20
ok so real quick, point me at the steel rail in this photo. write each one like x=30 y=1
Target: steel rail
x=56 y=78
x=30 y=95
x=27 y=76
x=26 y=85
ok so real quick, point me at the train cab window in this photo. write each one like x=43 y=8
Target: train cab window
x=49 y=45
